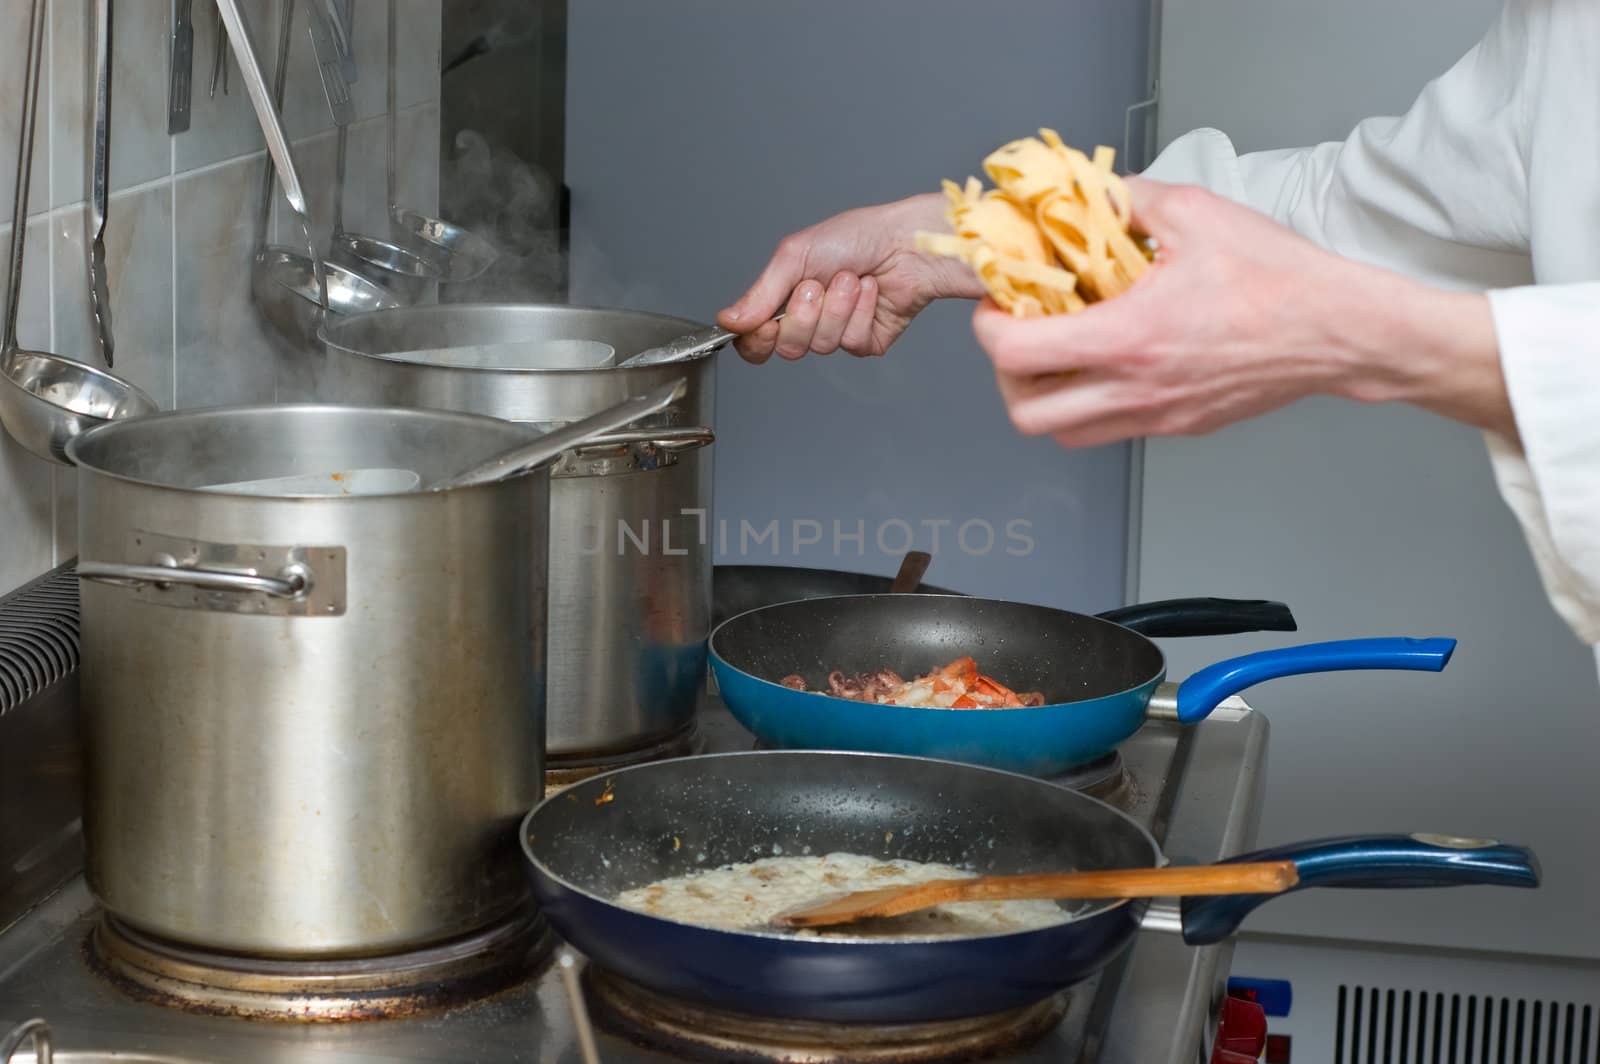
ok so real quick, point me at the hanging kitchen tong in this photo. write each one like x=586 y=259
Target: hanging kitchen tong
x=219 y=57
x=329 y=64
x=181 y=70
x=342 y=20
x=100 y=180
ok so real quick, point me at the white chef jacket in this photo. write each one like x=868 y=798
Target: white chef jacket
x=1489 y=182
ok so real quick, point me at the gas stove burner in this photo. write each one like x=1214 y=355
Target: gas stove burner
x=564 y=772
x=704 y=1034
x=372 y=988
x=1105 y=778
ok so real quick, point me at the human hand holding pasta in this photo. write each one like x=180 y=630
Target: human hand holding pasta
x=1235 y=317
x=852 y=282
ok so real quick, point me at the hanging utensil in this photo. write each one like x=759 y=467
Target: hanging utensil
x=553 y=444
x=100 y=180
x=458 y=253
x=46 y=399
x=684 y=347
x=291 y=289
x=401 y=271
x=219 y=56
x=334 y=85
x=342 y=20
x=1173 y=881
x=181 y=69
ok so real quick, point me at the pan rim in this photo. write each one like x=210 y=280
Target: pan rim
x=1159 y=857
x=1158 y=677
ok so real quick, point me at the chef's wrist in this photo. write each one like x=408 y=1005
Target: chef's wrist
x=1405 y=341
x=947 y=277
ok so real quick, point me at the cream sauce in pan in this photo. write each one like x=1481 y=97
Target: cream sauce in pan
x=746 y=896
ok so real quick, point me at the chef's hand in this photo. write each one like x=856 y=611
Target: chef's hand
x=851 y=282
x=1239 y=316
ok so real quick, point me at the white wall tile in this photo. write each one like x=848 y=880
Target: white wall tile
x=417 y=180
x=25 y=514
x=420 y=25
x=139 y=275
x=33 y=315
x=223 y=351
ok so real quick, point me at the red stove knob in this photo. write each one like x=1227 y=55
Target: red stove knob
x=1241 y=1033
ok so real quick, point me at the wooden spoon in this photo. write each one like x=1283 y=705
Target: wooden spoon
x=1266 y=877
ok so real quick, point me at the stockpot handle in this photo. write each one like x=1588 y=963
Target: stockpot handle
x=293 y=582
x=35 y=1029
x=671 y=440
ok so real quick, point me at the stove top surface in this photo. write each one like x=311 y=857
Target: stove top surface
x=1196 y=788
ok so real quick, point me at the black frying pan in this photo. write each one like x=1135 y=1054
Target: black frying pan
x=634 y=826
x=736 y=589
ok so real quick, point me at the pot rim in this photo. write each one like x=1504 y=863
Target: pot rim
x=514 y=431
x=329 y=328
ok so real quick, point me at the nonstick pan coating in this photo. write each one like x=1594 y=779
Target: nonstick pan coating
x=1068 y=657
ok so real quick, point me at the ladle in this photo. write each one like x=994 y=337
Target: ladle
x=292 y=289
x=553 y=444
x=406 y=273
x=47 y=399
x=684 y=347
x=460 y=254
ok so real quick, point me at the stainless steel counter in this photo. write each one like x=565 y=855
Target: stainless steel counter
x=1198 y=788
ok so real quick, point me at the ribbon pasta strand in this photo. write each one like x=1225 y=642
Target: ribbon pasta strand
x=1052 y=236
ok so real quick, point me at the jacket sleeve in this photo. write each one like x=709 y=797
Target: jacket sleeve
x=1441 y=193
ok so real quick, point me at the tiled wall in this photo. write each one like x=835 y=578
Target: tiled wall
x=181 y=223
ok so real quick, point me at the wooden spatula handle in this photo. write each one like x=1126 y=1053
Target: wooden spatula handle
x=912 y=567
x=1266 y=877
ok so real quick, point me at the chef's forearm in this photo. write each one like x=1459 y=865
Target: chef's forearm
x=1433 y=348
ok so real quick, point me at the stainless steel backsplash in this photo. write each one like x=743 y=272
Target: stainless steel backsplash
x=41 y=839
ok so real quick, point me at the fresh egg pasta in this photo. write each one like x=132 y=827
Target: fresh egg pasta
x=1052 y=236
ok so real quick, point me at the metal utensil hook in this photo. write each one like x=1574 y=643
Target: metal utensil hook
x=38 y=1031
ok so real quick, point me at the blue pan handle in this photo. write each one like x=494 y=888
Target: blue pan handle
x=1371 y=861
x=1201 y=692
x=1170 y=618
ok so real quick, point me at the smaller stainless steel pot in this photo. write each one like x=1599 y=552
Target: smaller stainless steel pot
x=311 y=721
x=630 y=528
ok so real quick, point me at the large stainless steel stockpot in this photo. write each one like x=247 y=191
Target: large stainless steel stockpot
x=630 y=546
x=311 y=722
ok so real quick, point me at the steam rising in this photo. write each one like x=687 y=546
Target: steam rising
x=514 y=206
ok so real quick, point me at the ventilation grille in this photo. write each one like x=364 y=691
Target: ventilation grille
x=1384 y=1026
x=38 y=636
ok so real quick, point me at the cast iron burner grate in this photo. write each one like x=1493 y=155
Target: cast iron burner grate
x=704 y=1034
x=373 y=988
